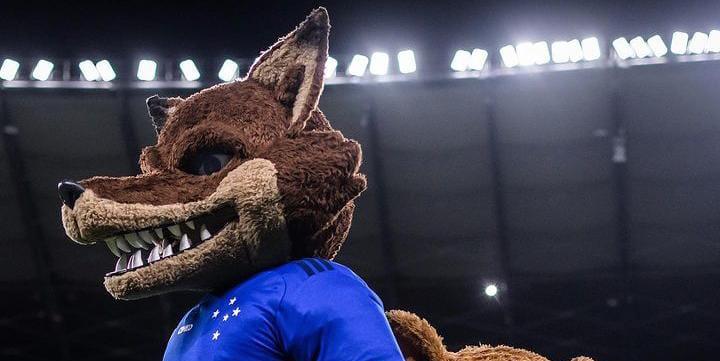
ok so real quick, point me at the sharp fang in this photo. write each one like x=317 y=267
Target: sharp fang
x=154 y=254
x=167 y=252
x=175 y=230
x=122 y=244
x=146 y=236
x=135 y=241
x=113 y=246
x=121 y=263
x=184 y=242
x=159 y=233
x=204 y=234
x=190 y=225
x=136 y=260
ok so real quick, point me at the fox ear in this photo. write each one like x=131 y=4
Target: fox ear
x=158 y=108
x=293 y=67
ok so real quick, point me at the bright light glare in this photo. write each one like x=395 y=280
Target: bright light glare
x=678 y=45
x=640 y=47
x=541 y=53
x=576 y=51
x=560 y=52
x=228 y=70
x=478 y=59
x=189 y=70
x=461 y=60
x=713 y=45
x=357 y=66
x=330 y=68
x=657 y=45
x=106 y=70
x=525 y=53
x=42 y=70
x=146 y=70
x=406 y=61
x=88 y=70
x=697 y=43
x=379 y=63
x=623 y=48
x=591 y=48
x=509 y=56
x=491 y=290
x=9 y=69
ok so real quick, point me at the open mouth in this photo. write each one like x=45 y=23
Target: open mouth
x=141 y=248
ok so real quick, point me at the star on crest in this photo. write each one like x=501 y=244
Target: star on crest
x=232 y=301
x=216 y=313
x=215 y=335
x=236 y=311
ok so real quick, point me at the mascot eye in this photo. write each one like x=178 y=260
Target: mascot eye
x=206 y=162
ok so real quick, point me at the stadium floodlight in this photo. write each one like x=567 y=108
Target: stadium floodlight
x=713 y=44
x=560 y=52
x=9 y=69
x=88 y=70
x=228 y=70
x=461 y=60
x=623 y=49
x=406 y=61
x=509 y=56
x=357 y=66
x=189 y=70
x=379 y=62
x=678 y=44
x=575 y=50
x=698 y=43
x=42 y=70
x=330 y=68
x=640 y=47
x=106 y=71
x=146 y=70
x=657 y=45
x=590 y=48
x=491 y=290
x=525 y=53
x=541 y=53
x=478 y=58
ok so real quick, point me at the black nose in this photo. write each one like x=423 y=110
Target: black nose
x=70 y=192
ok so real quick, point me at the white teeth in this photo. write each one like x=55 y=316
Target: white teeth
x=204 y=234
x=175 y=230
x=135 y=260
x=167 y=252
x=135 y=241
x=154 y=254
x=121 y=263
x=190 y=225
x=184 y=243
x=122 y=244
x=113 y=246
x=159 y=233
x=146 y=236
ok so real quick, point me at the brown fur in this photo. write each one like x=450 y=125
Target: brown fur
x=420 y=342
x=271 y=117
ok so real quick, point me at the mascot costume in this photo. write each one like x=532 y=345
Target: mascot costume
x=248 y=196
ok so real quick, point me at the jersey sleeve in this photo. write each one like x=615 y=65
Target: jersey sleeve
x=333 y=316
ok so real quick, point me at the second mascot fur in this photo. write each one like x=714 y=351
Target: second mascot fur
x=248 y=196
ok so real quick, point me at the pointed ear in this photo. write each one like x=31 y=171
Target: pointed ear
x=158 y=108
x=293 y=67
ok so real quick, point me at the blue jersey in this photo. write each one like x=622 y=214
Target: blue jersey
x=309 y=309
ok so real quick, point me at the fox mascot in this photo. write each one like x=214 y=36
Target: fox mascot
x=248 y=196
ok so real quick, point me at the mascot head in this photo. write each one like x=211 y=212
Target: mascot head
x=244 y=176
